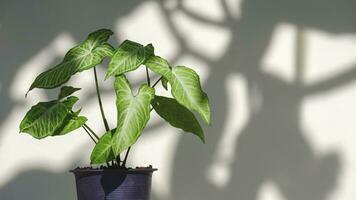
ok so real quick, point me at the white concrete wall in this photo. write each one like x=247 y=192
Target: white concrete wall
x=283 y=122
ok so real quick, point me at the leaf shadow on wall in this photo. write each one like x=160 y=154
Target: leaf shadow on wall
x=271 y=147
x=26 y=28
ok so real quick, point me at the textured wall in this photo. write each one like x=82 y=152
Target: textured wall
x=280 y=76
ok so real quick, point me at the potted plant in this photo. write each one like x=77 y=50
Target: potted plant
x=111 y=179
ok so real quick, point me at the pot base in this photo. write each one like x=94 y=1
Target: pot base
x=113 y=184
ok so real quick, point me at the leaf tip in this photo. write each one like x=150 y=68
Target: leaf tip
x=207 y=115
x=27 y=93
x=202 y=138
x=107 y=76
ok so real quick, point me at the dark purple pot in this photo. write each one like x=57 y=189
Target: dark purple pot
x=113 y=184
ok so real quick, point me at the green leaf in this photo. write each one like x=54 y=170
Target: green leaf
x=185 y=84
x=102 y=151
x=72 y=123
x=149 y=51
x=49 y=118
x=70 y=101
x=177 y=115
x=164 y=82
x=128 y=57
x=99 y=53
x=133 y=113
x=72 y=120
x=84 y=56
x=67 y=91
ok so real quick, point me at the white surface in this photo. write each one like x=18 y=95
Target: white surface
x=328 y=118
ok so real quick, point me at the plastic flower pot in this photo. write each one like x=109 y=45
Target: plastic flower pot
x=113 y=184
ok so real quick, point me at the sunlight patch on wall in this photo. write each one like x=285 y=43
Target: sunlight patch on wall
x=197 y=65
x=269 y=191
x=328 y=114
x=138 y=76
x=39 y=63
x=237 y=118
x=85 y=80
x=27 y=152
x=328 y=55
x=206 y=39
x=210 y=9
x=234 y=7
x=158 y=152
x=43 y=153
x=325 y=54
x=147 y=24
x=279 y=59
x=329 y=119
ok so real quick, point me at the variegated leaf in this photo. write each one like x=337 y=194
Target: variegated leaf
x=128 y=57
x=84 y=56
x=185 y=86
x=133 y=113
x=51 y=118
x=102 y=151
x=72 y=123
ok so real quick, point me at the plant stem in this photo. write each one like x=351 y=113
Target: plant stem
x=93 y=139
x=128 y=151
x=86 y=128
x=107 y=128
x=157 y=81
x=89 y=134
x=148 y=77
x=126 y=155
x=91 y=131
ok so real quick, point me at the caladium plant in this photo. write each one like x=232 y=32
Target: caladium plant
x=57 y=117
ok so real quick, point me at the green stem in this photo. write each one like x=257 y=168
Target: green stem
x=89 y=134
x=126 y=155
x=107 y=128
x=86 y=128
x=91 y=131
x=157 y=81
x=148 y=77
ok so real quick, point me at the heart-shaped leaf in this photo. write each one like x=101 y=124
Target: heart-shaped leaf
x=102 y=151
x=84 y=56
x=133 y=113
x=185 y=84
x=128 y=57
x=67 y=91
x=177 y=115
x=51 y=118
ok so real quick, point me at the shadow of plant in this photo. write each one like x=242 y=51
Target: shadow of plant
x=271 y=147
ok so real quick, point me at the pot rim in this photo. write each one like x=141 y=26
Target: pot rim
x=124 y=170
